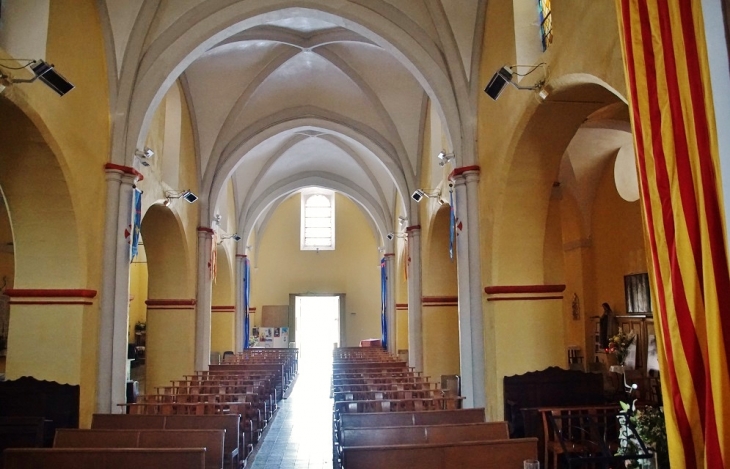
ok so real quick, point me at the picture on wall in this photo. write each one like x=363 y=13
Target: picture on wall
x=636 y=291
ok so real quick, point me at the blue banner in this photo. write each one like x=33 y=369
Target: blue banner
x=137 y=222
x=452 y=224
x=384 y=303
x=246 y=302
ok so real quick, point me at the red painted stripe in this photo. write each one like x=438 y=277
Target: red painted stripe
x=459 y=171
x=124 y=169
x=205 y=229
x=496 y=289
x=172 y=302
x=241 y=255
x=440 y=299
x=524 y=298
x=223 y=308
x=51 y=302
x=412 y=228
x=671 y=372
x=49 y=293
x=401 y=306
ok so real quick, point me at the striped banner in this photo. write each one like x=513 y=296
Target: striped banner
x=678 y=165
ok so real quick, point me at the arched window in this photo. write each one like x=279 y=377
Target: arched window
x=546 y=23
x=318 y=220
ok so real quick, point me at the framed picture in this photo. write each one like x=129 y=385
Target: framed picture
x=636 y=291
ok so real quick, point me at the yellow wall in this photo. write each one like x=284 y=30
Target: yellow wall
x=222 y=333
x=353 y=268
x=618 y=242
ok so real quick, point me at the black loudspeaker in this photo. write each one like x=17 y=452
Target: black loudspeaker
x=498 y=82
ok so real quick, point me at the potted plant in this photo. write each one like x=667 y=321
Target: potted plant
x=650 y=427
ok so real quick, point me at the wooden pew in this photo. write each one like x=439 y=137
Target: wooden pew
x=396 y=419
x=413 y=404
x=107 y=458
x=424 y=434
x=234 y=447
x=495 y=454
x=211 y=440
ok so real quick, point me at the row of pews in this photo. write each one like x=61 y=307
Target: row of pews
x=211 y=419
x=386 y=414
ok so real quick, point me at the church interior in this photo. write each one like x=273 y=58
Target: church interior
x=481 y=189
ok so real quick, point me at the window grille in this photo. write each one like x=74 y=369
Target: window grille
x=318 y=220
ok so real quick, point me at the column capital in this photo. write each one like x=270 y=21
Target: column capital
x=205 y=232
x=462 y=171
x=413 y=228
x=126 y=170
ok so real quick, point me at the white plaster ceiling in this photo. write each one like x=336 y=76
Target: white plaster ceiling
x=296 y=67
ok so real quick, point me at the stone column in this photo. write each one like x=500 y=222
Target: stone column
x=390 y=301
x=204 y=298
x=471 y=322
x=415 y=298
x=114 y=313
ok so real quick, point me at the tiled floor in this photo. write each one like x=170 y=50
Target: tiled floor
x=300 y=435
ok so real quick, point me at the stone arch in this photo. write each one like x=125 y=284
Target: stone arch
x=171 y=299
x=223 y=312
x=382 y=222
x=49 y=255
x=440 y=303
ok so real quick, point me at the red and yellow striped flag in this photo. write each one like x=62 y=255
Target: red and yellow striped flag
x=678 y=164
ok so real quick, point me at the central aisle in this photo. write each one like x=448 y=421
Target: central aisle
x=300 y=435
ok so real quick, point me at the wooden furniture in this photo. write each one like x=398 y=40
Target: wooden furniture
x=108 y=458
x=233 y=446
x=57 y=404
x=211 y=440
x=495 y=454
x=578 y=430
x=423 y=434
x=412 y=418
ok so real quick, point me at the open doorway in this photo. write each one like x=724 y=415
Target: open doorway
x=317 y=323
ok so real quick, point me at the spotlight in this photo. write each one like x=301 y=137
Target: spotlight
x=42 y=70
x=498 y=82
x=51 y=77
x=235 y=237
x=417 y=195
x=445 y=157
x=390 y=236
x=144 y=155
x=504 y=75
x=189 y=197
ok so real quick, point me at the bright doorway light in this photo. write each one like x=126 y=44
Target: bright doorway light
x=317 y=330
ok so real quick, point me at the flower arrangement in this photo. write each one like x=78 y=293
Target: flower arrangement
x=619 y=345
x=650 y=427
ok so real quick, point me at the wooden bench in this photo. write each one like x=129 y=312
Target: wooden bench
x=234 y=447
x=424 y=434
x=107 y=458
x=397 y=419
x=211 y=440
x=494 y=454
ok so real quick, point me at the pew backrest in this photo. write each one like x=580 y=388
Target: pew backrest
x=495 y=454
x=398 y=419
x=424 y=434
x=211 y=440
x=108 y=458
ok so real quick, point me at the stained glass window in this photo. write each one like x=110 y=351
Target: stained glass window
x=546 y=23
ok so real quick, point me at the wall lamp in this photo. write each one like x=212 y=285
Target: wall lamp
x=43 y=71
x=504 y=76
x=144 y=155
x=186 y=195
x=445 y=157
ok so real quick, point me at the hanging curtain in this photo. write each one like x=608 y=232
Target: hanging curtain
x=383 y=303
x=246 y=302
x=677 y=156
